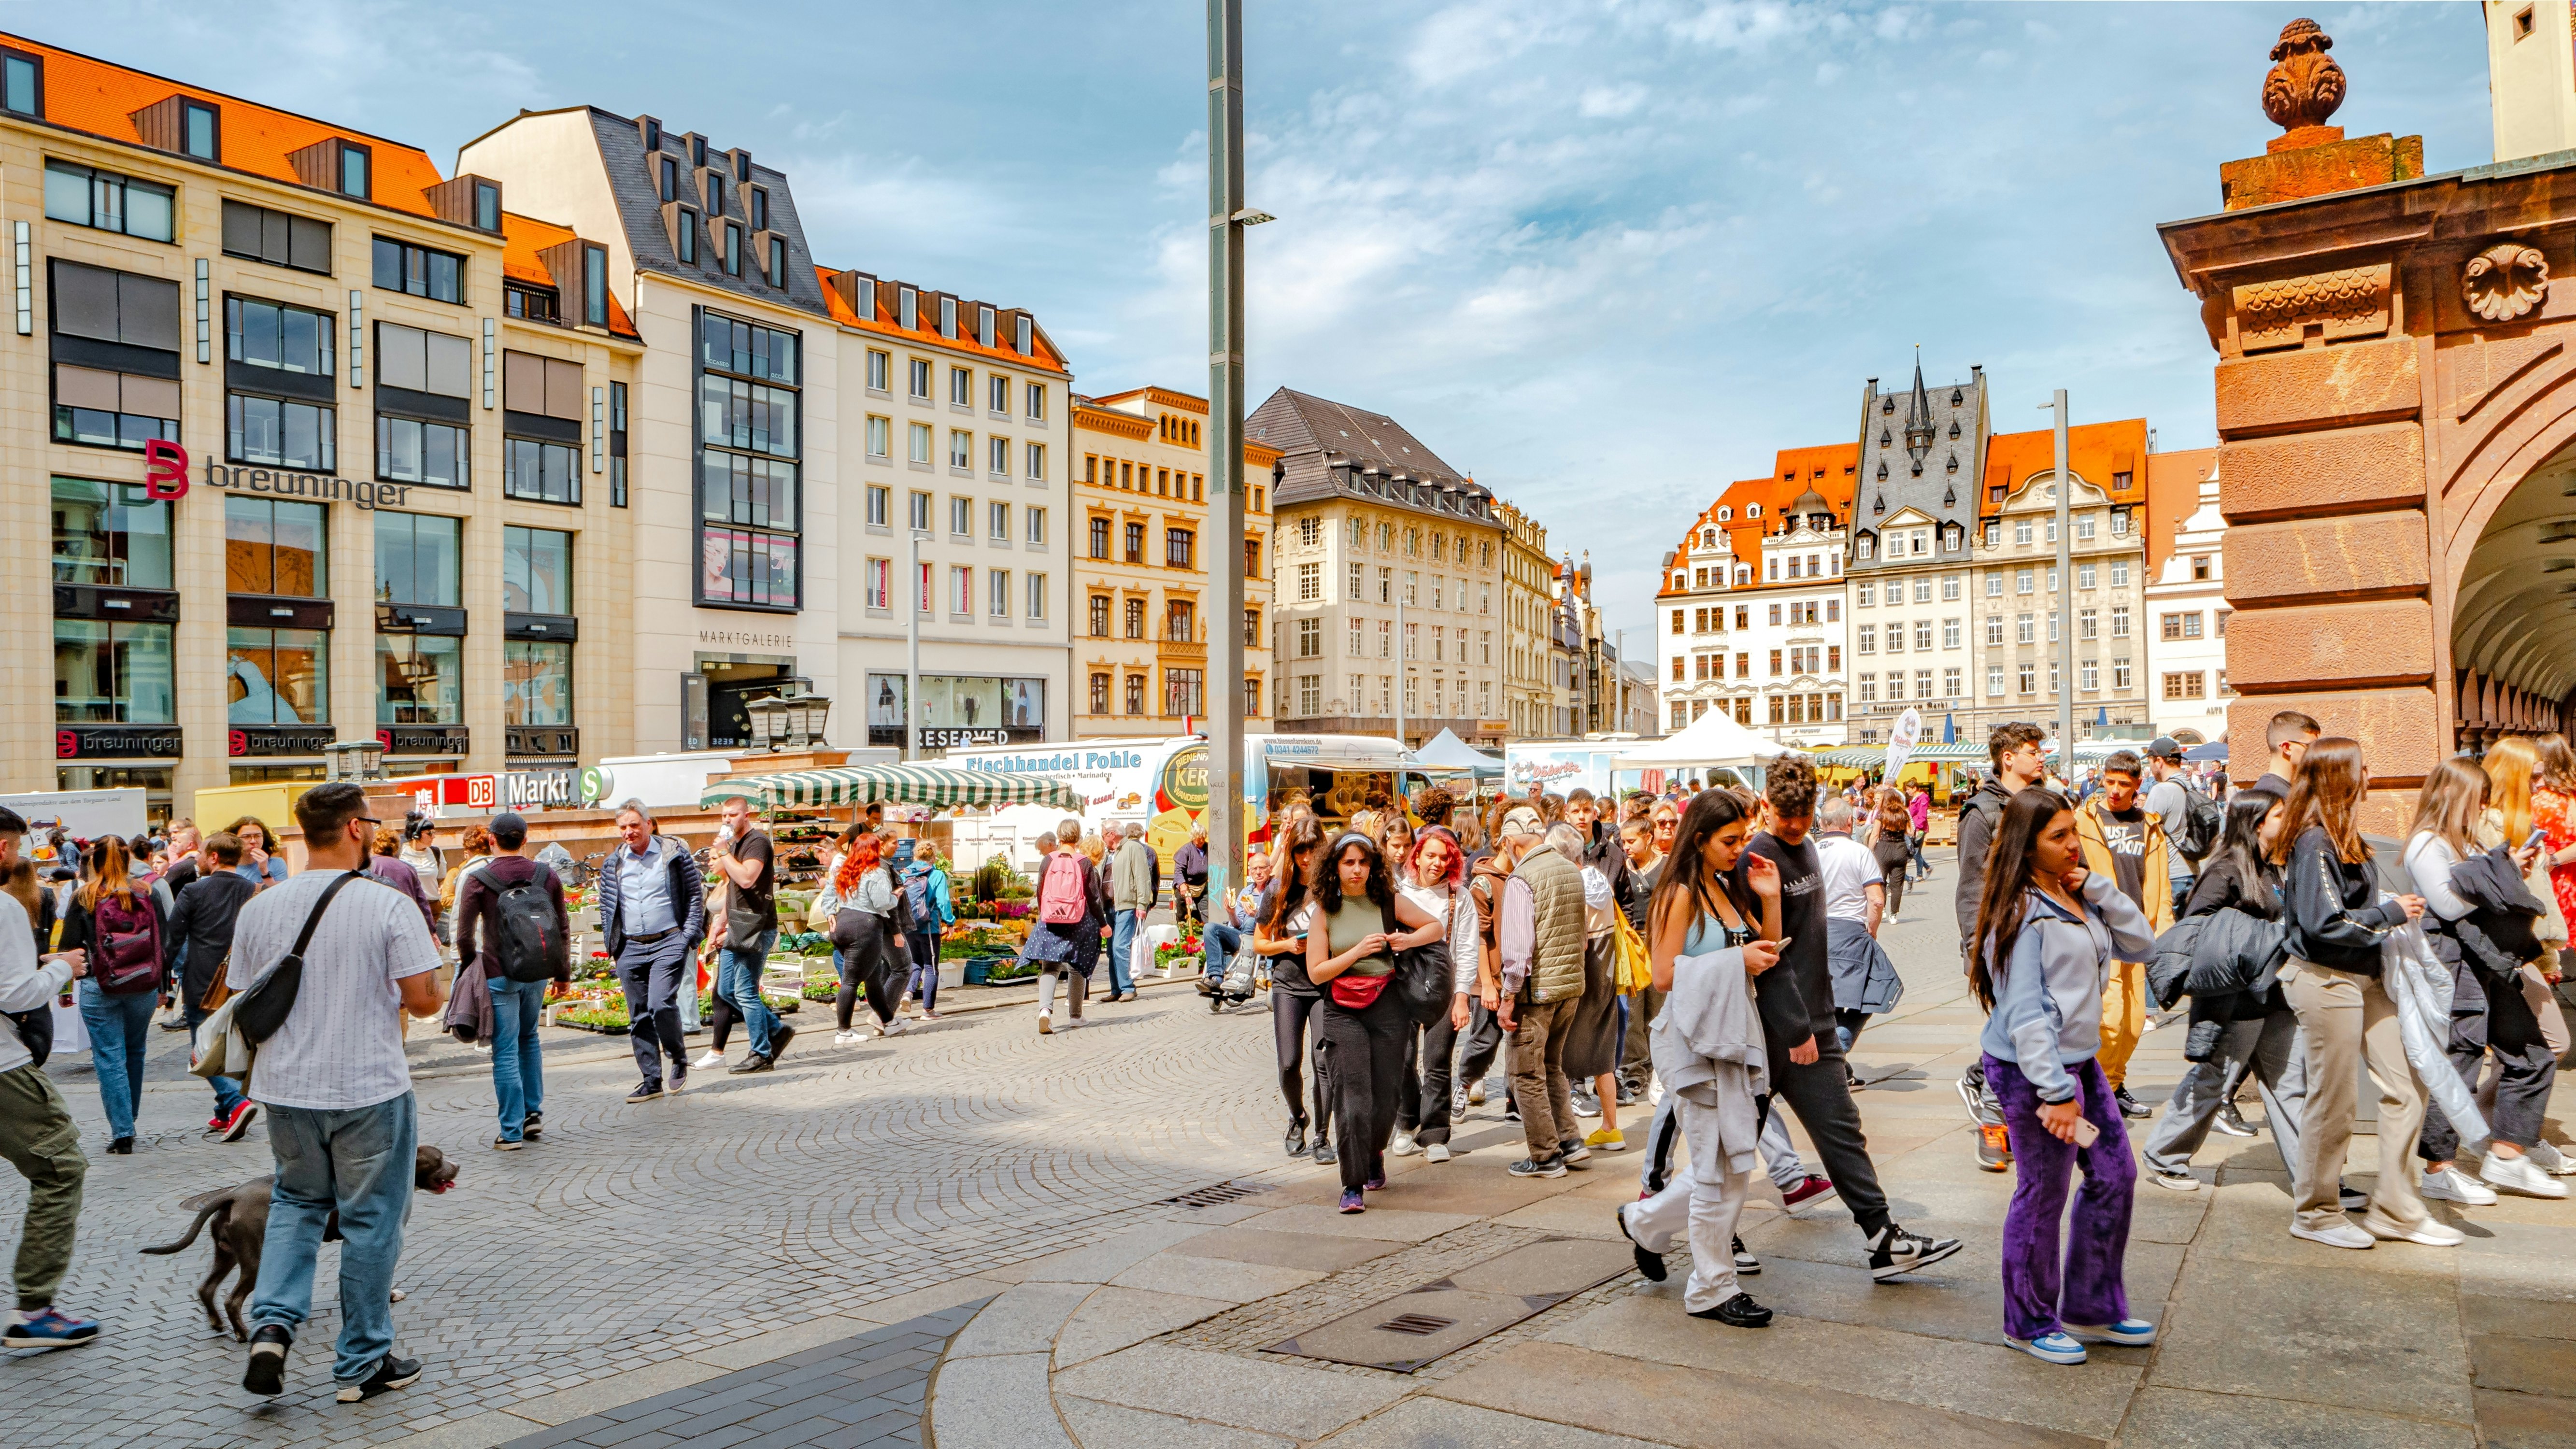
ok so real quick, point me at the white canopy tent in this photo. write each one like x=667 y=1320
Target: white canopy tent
x=1445 y=753
x=1710 y=740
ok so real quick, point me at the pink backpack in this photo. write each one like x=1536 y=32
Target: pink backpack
x=1060 y=894
x=125 y=946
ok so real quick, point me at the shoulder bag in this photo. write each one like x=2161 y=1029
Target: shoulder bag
x=263 y=1008
x=1422 y=976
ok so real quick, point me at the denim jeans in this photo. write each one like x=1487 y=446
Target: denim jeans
x=1220 y=941
x=120 y=1028
x=518 y=1068
x=360 y=1163
x=228 y=1093
x=924 y=949
x=738 y=981
x=2182 y=885
x=1122 y=939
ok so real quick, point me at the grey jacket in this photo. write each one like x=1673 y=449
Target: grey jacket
x=2048 y=997
x=1707 y=1045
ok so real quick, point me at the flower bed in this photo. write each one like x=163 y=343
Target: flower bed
x=606 y=1020
x=1185 y=951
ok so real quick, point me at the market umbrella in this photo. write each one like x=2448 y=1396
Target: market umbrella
x=2214 y=750
x=1445 y=752
x=933 y=785
x=1949 y=729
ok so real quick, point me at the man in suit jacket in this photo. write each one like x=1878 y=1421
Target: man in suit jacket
x=653 y=910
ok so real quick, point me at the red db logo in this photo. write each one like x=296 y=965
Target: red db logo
x=165 y=469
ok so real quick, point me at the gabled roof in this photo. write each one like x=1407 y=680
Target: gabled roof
x=2095 y=452
x=100 y=98
x=1295 y=422
x=1826 y=470
x=525 y=240
x=874 y=313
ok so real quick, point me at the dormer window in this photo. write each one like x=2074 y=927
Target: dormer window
x=1753 y=510
x=1954 y=463
x=1885 y=438
x=594 y=285
x=686 y=233
x=355 y=163
x=778 y=262
x=22 y=83
x=756 y=201
x=984 y=326
x=1887 y=405
x=487 y=206
x=732 y=250
x=948 y=318
x=1024 y=340
x=199 y=134
x=742 y=167
x=668 y=182
x=1725 y=514
x=653 y=137
x=1956 y=398
x=697 y=152
x=907 y=308
x=1882 y=470
x=715 y=193
x=1954 y=427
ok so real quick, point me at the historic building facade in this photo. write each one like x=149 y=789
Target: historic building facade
x=1389 y=579
x=854 y=447
x=318 y=444
x=1527 y=624
x=1141 y=566
x=1751 y=604
x=2186 y=603
x=1912 y=557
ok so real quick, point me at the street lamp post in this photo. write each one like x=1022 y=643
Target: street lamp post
x=1227 y=217
x=2065 y=590
x=912 y=670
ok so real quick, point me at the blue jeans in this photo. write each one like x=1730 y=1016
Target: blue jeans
x=360 y=1163
x=738 y=981
x=1219 y=941
x=924 y=946
x=1122 y=939
x=119 y=1029
x=228 y=1093
x=2182 y=885
x=518 y=1068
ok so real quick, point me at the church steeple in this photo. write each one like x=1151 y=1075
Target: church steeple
x=1918 y=418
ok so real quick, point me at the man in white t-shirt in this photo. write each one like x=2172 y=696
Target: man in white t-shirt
x=36 y=1132
x=341 y=1120
x=1865 y=981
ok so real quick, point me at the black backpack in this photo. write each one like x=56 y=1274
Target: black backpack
x=526 y=942
x=2202 y=820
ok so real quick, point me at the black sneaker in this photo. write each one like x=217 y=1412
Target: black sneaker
x=1294 y=1144
x=646 y=1092
x=1573 y=1151
x=266 y=1375
x=1746 y=1265
x=390 y=1373
x=2130 y=1106
x=1650 y=1266
x=1537 y=1167
x=1895 y=1252
x=1739 y=1311
x=778 y=1041
x=2355 y=1200
x=753 y=1063
x=2232 y=1122
x=535 y=1124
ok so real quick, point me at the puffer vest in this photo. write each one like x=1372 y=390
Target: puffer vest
x=1556 y=893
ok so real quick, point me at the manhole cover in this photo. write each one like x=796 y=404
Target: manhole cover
x=1403 y=1333
x=1223 y=1192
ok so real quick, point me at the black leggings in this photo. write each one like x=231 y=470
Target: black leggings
x=2525 y=1071
x=1297 y=1019
x=863 y=966
x=1368 y=1082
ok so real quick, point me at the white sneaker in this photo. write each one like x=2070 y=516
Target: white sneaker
x=2547 y=1157
x=1476 y=1094
x=1404 y=1145
x=1458 y=1103
x=2431 y=1233
x=2518 y=1175
x=1046 y=1023
x=844 y=1038
x=1436 y=1152
x=2334 y=1235
x=891 y=1028
x=2453 y=1185
x=711 y=1059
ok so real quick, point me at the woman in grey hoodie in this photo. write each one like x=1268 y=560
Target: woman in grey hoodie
x=2047 y=930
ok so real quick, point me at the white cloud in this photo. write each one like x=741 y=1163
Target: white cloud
x=1611 y=100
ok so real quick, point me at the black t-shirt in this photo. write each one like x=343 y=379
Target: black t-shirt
x=1795 y=997
x=2125 y=831
x=753 y=908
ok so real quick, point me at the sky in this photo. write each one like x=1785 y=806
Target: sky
x=1593 y=252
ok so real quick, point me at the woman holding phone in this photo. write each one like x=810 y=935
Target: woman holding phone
x=2047 y=932
x=1350 y=955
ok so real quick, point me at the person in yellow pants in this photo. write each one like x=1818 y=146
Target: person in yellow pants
x=2124 y=840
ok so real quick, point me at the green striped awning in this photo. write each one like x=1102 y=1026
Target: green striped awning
x=935 y=785
x=1856 y=757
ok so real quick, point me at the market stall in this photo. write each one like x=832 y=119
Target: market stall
x=1707 y=748
x=936 y=786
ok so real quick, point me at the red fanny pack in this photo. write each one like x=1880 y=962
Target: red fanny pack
x=1356 y=992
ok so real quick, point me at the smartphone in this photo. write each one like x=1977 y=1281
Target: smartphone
x=2537 y=837
x=1784 y=944
x=2086 y=1134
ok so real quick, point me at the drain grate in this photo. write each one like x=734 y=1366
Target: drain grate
x=1217 y=1196
x=1470 y=1304
x=1420 y=1325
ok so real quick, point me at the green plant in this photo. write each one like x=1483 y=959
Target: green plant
x=993 y=878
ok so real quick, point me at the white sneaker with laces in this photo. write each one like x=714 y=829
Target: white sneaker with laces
x=2334 y=1235
x=2518 y=1175
x=1476 y=1094
x=711 y=1059
x=1404 y=1145
x=1436 y=1152
x=2432 y=1233
x=1046 y=1023
x=2547 y=1157
x=2453 y=1185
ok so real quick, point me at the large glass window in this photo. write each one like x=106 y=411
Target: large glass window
x=109 y=673
x=278 y=676
x=273 y=546
x=274 y=430
x=417 y=559
x=536 y=570
x=424 y=383
x=541 y=472
x=272 y=334
x=401 y=267
x=750 y=514
x=107 y=201
x=412 y=450
x=536 y=683
x=276 y=237
x=420 y=679
x=110 y=535
x=120 y=397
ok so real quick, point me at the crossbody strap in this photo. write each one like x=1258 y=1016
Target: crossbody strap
x=304 y=937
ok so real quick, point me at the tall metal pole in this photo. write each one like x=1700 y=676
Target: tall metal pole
x=1225 y=446
x=2065 y=590
x=1619 y=662
x=1403 y=670
x=912 y=670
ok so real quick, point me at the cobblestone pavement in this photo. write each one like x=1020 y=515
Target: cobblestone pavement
x=643 y=1236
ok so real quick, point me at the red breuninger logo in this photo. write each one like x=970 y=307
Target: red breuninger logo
x=165 y=469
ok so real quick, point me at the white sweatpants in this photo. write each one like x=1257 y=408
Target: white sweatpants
x=1700 y=1205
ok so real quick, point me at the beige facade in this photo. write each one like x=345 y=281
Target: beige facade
x=1143 y=554
x=2023 y=608
x=1528 y=584
x=364 y=547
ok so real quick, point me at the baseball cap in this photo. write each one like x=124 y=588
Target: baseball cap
x=509 y=825
x=2164 y=747
x=1521 y=820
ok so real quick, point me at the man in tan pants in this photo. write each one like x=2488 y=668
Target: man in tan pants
x=2347 y=1018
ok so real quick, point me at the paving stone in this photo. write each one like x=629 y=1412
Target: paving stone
x=1025 y=1319
x=1211 y=1277
x=2525 y=1317
x=1304 y=1403
x=1425 y=1423
x=1113 y=1318
x=999 y=1402
x=1097 y=1425
x=2355 y=1340
x=2522 y=1421
x=2183 y=1419
x=1272 y=1247
x=2525 y=1365
x=1391 y=1225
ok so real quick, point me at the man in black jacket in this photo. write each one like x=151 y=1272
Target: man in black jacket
x=653 y=912
x=2014 y=750
x=202 y=928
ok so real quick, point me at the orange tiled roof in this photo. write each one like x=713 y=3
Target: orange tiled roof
x=2095 y=452
x=2173 y=493
x=95 y=96
x=525 y=240
x=928 y=334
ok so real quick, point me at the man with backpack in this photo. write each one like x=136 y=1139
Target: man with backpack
x=512 y=907
x=925 y=895
x=2191 y=820
x=37 y=1135
x=194 y=950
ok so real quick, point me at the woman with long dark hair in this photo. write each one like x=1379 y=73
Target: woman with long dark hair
x=117 y=921
x=2047 y=932
x=1887 y=844
x=1707 y=943
x=2256 y=1032
x=1296 y=1004
x=1351 y=958
x=2337 y=924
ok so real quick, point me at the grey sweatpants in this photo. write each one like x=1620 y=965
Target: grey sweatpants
x=2270 y=1050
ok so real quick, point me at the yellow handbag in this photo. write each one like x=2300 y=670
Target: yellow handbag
x=1636 y=966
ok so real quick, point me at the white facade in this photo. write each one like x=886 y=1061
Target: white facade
x=2187 y=627
x=1696 y=634
x=1909 y=630
x=1798 y=633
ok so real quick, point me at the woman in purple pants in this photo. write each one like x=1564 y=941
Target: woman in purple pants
x=2048 y=931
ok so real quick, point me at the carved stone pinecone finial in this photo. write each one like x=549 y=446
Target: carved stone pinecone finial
x=2305 y=86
